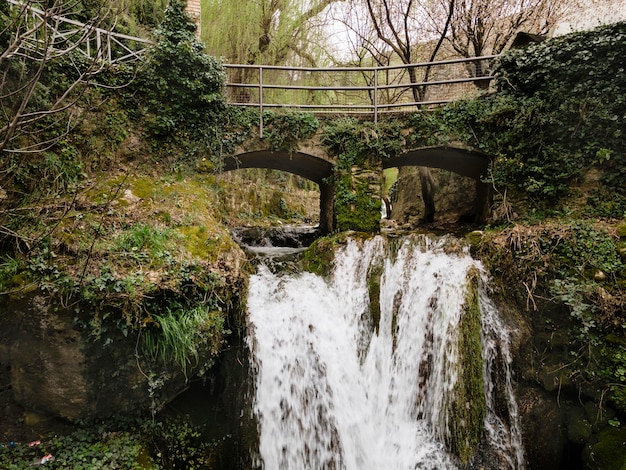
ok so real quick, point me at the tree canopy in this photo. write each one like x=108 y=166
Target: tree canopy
x=265 y=31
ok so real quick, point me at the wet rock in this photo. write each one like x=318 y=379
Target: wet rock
x=58 y=368
x=578 y=426
x=543 y=432
x=608 y=452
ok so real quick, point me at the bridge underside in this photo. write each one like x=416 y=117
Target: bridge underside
x=298 y=163
x=319 y=170
x=307 y=166
x=464 y=162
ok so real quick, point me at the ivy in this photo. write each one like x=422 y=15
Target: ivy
x=285 y=131
x=567 y=93
x=183 y=85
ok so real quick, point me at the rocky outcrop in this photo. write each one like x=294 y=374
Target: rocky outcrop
x=451 y=196
x=57 y=367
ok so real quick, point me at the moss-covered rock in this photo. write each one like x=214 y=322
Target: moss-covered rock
x=357 y=201
x=94 y=308
x=467 y=406
x=609 y=451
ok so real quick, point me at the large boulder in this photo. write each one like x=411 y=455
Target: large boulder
x=453 y=196
x=57 y=367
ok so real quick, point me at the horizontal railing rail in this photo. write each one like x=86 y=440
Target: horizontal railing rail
x=357 y=90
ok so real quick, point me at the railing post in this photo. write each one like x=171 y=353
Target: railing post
x=261 y=102
x=98 y=44
x=376 y=96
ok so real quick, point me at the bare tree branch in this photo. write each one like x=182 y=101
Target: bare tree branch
x=40 y=37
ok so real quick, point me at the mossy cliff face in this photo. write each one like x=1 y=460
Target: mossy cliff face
x=57 y=368
x=357 y=200
x=94 y=319
x=563 y=282
x=454 y=196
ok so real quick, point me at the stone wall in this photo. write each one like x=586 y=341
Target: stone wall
x=194 y=10
x=591 y=13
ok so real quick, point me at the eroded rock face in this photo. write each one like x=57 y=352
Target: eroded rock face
x=542 y=428
x=454 y=196
x=56 y=367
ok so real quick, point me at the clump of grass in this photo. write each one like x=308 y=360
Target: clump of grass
x=180 y=333
x=144 y=237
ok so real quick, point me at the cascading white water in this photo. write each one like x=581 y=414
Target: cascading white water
x=338 y=388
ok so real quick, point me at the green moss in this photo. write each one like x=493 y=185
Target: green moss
x=204 y=244
x=621 y=230
x=467 y=407
x=355 y=206
x=609 y=452
x=318 y=258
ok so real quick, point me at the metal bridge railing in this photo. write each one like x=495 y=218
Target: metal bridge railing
x=357 y=90
x=48 y=34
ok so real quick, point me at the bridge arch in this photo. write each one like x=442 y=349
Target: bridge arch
x=465 y=162
x=303 y=164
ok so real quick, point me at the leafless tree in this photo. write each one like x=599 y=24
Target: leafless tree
x=486 y=27
x=46 y=65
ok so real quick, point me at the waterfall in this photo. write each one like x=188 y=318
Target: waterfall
x=368 y=369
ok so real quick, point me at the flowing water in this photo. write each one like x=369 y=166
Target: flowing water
x=339 y=387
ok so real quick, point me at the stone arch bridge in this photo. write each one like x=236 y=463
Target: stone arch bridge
x=311 y=161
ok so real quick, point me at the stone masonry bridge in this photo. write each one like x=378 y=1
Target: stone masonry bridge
x=311 y=161
x=368 y=93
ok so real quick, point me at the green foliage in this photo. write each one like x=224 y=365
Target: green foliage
x=179 y=334
x=144 y=237
x=566 y=94
x=575 y=295
x=355 y=207
x=285 y=131
x=56 y=170
x=357 y=192
x=577 y=255
x=118 y=444
x=93 y=447
x=9 y=268
x=178 y=444
x=584 y=249
x=558 y=113
x=353 y=141
x=182 y=84
x=590 y=61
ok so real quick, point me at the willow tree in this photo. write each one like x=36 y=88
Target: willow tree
x=269 y=32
